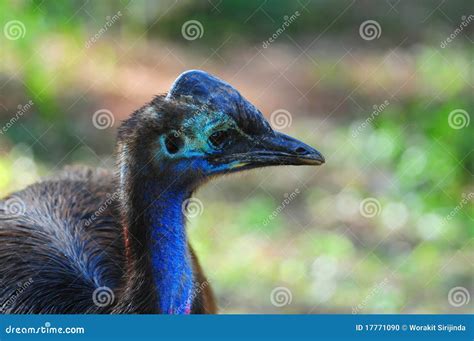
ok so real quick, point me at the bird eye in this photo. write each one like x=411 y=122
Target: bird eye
x=173 y=143
x=220 y=138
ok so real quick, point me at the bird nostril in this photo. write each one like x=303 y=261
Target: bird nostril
x=301 y=151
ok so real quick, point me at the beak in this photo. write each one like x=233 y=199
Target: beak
x=281 y=149
x=274 y=149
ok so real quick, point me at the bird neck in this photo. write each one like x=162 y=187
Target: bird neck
x=158 y=243
x=170 y=258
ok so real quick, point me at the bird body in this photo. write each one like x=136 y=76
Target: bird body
x=66 y=250
x=93 y=241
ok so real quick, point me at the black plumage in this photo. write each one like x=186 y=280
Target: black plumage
x=50 y=247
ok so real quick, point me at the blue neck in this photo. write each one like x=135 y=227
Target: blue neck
x=171 y=261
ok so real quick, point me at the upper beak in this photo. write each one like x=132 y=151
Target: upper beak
x=281 y=149
x=272 y=150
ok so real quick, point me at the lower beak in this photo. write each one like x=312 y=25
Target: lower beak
x=278 y=149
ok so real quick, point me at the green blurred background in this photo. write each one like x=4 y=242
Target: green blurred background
x=385 y=226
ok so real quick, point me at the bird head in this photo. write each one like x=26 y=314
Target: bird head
x=205 y=127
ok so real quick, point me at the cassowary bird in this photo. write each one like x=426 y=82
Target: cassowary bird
x=89 y=241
